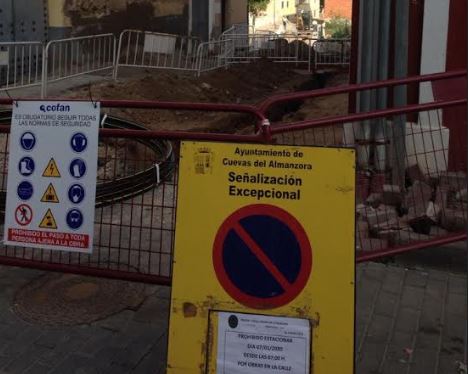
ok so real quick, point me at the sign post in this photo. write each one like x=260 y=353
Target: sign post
x=52 y=172
x=263 y=276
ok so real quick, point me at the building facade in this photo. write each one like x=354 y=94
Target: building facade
x=22 y=20
x=337 y=8
x=275 y=16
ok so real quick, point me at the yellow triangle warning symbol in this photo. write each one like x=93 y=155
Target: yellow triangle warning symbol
x=48 y=222
x=50 y=195
x=51 y=171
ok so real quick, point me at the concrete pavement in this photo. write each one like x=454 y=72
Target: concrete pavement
x=407 y=321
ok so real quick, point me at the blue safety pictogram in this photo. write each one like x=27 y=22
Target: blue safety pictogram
x=77 y=168
x=79 y=142
x=25 y=190
x=76 y=193
x=28 y=141
x=26 y=166
x=74 y=219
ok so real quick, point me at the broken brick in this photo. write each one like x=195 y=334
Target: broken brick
x=381 y=215
x=453 y=220
x=377 y=182
x=371 y=244
x=388 y=235
x=408 y=236
x=421 y=225
x=418 y=195
x=374 y=200
x=462 y=195
x=361 y=210
x=441 y=197
x=392 y=195
x=437 y=231
x=362 y=229
x=362 y=186
x=414 y=173
x=454 y=181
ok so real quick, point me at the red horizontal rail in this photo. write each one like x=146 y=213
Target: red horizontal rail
x=208 y=107
x=409 y=248
x=155 y=104
x=303 y=125
x=269 y=102
x=179 y=135
x=169 y=135
x=259 y=110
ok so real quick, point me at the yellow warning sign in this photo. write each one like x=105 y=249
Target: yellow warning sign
x=50 y=195
x=263 y=277
x=48 y=222
x=51 y=171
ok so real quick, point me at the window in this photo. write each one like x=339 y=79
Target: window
x=282 y=5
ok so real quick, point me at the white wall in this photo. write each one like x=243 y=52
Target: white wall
x=434 y=42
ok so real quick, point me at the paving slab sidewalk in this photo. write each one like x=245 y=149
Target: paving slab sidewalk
x=407 y=321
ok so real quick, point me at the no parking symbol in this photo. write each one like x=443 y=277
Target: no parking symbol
x=262 y=256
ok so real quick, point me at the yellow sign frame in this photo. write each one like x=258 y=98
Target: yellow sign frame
x=325 y=207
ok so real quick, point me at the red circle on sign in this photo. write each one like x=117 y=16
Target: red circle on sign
x=293 y=289
x=23 y=215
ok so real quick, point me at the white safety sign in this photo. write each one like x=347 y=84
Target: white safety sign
x=52 y=171
x=249 y=343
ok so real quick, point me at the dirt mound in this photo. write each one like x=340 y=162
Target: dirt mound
x=249 y=83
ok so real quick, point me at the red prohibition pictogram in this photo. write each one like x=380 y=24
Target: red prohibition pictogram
x=262 y=256
x=23 y=215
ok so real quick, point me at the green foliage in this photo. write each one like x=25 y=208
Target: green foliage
x=257 y=6
x=338 y=28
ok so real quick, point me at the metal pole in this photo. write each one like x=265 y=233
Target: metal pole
x=398 y=134
x=466 y=243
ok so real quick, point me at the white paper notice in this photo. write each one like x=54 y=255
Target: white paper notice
x=52 y=169
x=249 y=343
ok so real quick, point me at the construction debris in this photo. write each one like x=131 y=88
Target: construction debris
x=431 y=207
x=414 y=173
x=392 y=195
x=455 y=181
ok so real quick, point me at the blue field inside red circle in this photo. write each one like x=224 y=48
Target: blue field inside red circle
x=244 y=264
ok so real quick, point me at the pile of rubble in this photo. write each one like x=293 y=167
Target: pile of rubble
x=429 y=208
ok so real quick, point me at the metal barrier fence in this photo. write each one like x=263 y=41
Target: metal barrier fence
x=236 y=29
x=273 y=47
x=332 y=52
x=20 y=64
x=408 y=197
x=67 y=58
x=24 y=64
x=214 y=55
x=292 y=48
x=136 y=200
x=145 y=49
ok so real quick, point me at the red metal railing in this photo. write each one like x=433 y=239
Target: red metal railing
x=134 y=237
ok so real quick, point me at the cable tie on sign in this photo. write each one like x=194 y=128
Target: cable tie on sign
x=91 y=96
x=104 y=117
x=266 y=122
x=158 y=174
x=15 y=103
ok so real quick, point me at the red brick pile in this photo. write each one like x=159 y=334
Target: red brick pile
x=428 y=208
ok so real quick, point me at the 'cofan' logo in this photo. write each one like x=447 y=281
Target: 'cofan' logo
x=55 y=108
